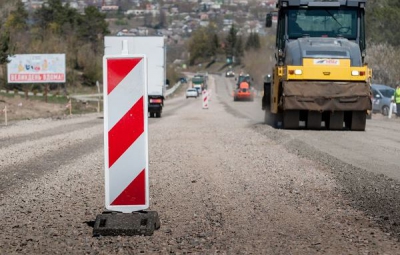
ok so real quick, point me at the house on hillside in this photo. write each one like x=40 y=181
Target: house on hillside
x=174 y=10
x=204 y=16
x=109 y=8
x=142 y=31
x=34 y=4
x=204 y=23
x=228 y=22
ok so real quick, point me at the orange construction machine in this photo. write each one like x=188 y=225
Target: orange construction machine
x=244 y=90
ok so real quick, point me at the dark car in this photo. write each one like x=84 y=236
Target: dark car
x=230 y=73
x=183 y=80
x=381 y=98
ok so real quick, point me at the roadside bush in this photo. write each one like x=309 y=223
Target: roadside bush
x=384 y=61
x=259 y=63
x=121 y=22
x=92 y=66
x=36 y=88
x=173 y=75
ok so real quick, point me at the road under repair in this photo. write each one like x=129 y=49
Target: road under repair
x=220 y=179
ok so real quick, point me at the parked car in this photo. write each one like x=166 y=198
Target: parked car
x=183 y=80
x=381 y=98
x=192 y=92
x=230 y=73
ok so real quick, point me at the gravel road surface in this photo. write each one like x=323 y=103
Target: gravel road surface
x=221 y=181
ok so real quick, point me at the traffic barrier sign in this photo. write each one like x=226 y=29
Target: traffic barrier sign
x=125 y=133
x=136 y=223
x=392 y=105
x=205 y=99
x=126 y=147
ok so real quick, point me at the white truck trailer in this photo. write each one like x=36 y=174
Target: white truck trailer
x=154 y=49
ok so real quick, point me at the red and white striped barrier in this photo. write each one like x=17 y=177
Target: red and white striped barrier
x=205 y=99
x=125 y=133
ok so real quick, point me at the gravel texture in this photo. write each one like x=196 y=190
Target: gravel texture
x=220 y=181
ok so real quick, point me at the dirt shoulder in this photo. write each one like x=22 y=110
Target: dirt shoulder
x=20 y=108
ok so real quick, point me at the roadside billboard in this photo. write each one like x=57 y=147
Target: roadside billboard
x=36 y=68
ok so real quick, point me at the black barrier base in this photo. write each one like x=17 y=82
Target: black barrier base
x=112 y=223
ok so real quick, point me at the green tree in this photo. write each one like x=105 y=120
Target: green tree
x=17 y=19
x=215 y=44
x=15 y=24
x=92 y=26
x=198 y=45
x=213 y=39
x=162 y=19
x=253 y=42
x=381 y=20
x=230 y=42
x=239 y=49
x=203 y=44
x=4 y=46
x=148 y=20
x=56 y=17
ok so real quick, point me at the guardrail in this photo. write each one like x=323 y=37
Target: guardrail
x=170 y=91
x=30 y=93
x=89 y=97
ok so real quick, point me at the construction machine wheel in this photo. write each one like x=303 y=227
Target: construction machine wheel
x=269 y=118
x=272 y=119
x=291 y=119
x=158 y=114
x=278 y=120
x=314 y=120
x=358 y=121
x=336 y=120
